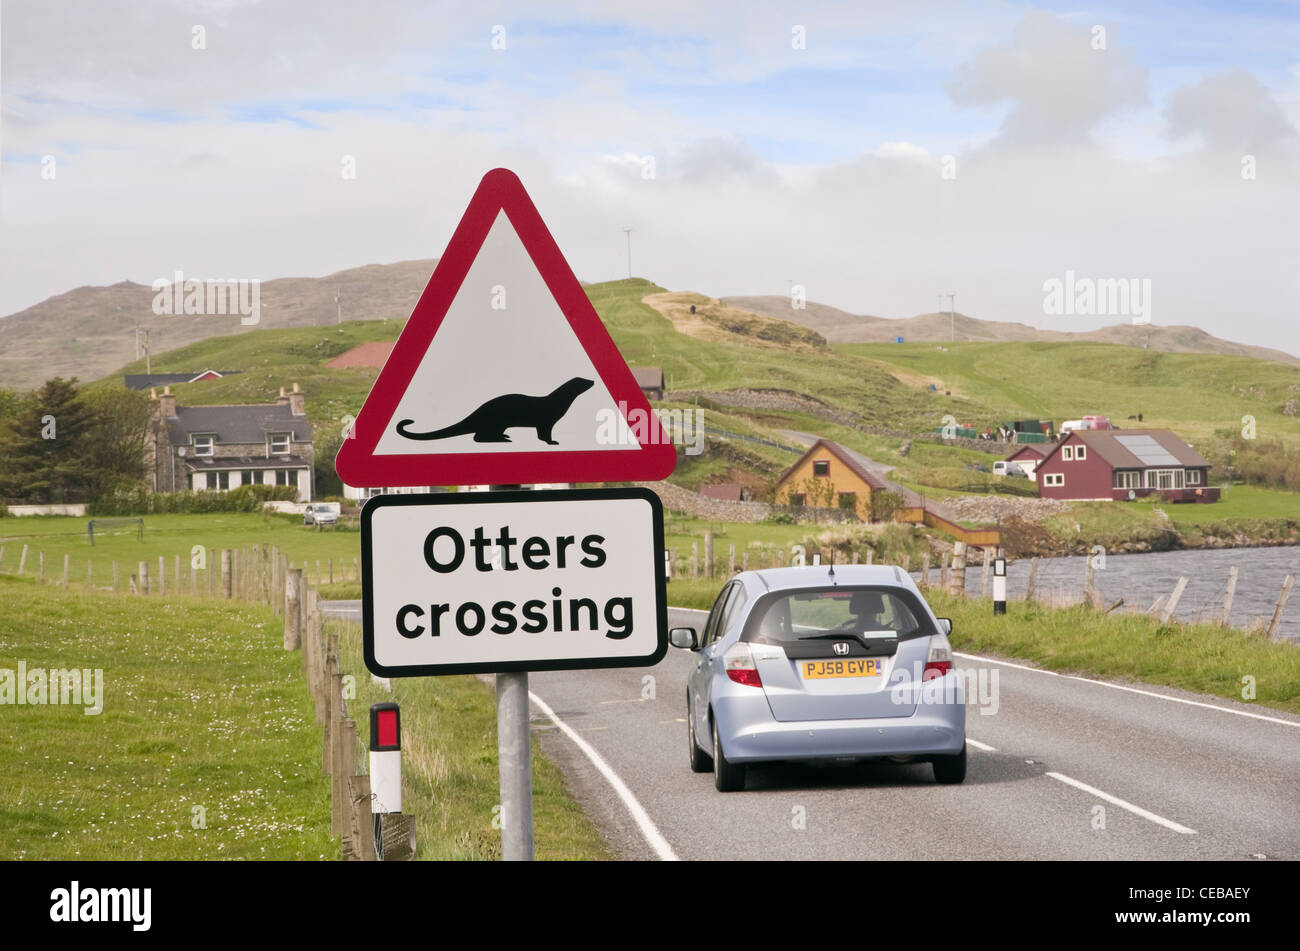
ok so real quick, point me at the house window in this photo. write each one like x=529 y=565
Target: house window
x=280 y=444
x=1054 y=478
x=286 y=477
x=1193 y=476
x=203 y=445
x=822 y=467
x=252 y=477
x=1080 y=453
x=849 y=500
x=1067 y=453
x=223 y=481
x=1127 y=479
x=797 y=499
x=1164 y=478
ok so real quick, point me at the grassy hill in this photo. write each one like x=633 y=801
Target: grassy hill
x=758 y=378
x=1193 y=394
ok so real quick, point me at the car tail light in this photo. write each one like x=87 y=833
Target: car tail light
x=939 y=661
x=740 y=666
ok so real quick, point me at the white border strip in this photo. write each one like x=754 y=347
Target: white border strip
x=1145 y=693
x=984 y=747
x=654 y=838
x=1115 y=800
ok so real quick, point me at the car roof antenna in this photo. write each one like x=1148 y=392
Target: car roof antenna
x=833 y=581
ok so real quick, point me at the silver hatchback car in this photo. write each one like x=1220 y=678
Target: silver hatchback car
x=822 y=663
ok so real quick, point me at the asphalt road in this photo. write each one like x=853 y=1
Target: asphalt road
x=1059 y=768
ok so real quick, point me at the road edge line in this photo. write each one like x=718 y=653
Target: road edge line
x=654 y=838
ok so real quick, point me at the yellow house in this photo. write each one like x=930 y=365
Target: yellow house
x=827 y=476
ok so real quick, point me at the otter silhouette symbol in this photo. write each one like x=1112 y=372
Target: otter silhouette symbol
x=490 y=421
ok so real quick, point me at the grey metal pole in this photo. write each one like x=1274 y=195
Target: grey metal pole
x=514 y=757
x=515 y=764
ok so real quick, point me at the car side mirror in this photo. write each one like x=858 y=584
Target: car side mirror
x=684 y=637
x=945 y=626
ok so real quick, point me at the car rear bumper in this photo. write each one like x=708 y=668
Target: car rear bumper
x=749 y=734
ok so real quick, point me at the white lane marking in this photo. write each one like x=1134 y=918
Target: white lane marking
x=1115 y=800
x=1006 y=663
x=981 y=746
x=653 y=837
x=1145 y=693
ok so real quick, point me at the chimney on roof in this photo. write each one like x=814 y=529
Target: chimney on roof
x=297 y=401
x=167 y=404
x=283 y=398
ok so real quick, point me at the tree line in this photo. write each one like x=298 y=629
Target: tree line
x=60 y=443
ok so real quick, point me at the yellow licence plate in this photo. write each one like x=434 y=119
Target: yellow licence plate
x=820 y=669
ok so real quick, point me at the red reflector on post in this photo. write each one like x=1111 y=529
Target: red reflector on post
x=385 y=727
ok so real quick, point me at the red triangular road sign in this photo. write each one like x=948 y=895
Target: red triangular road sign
x=504 y=372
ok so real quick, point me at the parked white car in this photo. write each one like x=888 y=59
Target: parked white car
x=1004 y=468
x=320 y=513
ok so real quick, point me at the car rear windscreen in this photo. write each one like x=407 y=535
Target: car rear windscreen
x=781 y=617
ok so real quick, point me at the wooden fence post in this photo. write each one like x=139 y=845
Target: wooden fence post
x=22 y=561
x=226 y=580
x=66 y=559
x=1227 y=598
x=176 y=576
x=42 y=559
x=695 y=559
x=959 y=568
x=744 y=561
x=144 y=577
x=708 y=554
x=292 y=614
x=1168 y=611
x=162 y=573
x=1287 y=584
x=1033 y=576
x=731 y=559
x=984 y=575
x=907 y=562
x=925 y=570
x=943 y=572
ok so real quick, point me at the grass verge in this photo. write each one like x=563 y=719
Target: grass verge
x=449 y=763
x=205 y=747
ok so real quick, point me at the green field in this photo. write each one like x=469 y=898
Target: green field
x=169 y=536
x=1193 y=394
x=206 y=746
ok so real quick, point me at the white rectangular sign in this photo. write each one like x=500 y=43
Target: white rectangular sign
x=510 y=581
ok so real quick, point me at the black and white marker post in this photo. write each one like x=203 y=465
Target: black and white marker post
x=999 y=585
x=385 y=766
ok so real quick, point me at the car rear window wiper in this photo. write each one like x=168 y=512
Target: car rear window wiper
x=840 y=635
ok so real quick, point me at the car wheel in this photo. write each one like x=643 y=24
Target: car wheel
x=701 y=762
x=728 y=777
x=950 y=769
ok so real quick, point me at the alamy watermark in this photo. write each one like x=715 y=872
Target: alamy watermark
x=1098 y=297
x=37 y=686
x=679 y=427
x=208 y=298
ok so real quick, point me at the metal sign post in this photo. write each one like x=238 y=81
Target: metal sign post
x=515 y=765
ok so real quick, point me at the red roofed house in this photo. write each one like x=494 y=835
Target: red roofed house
x=1030 y=455
x=726 y=492
x=1118 y=464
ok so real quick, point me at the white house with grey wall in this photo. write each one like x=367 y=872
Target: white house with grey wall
x=219 y=448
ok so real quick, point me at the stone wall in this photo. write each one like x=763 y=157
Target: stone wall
x=678 y=499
